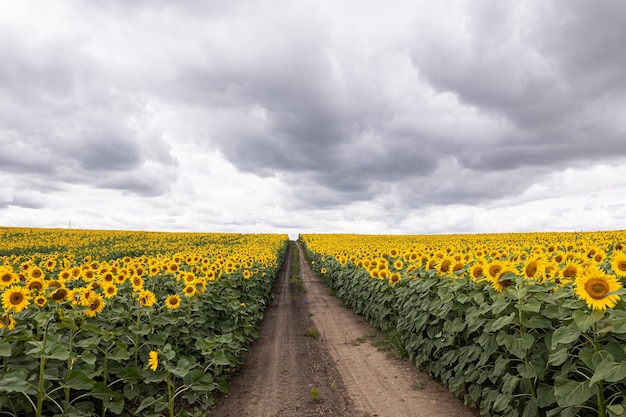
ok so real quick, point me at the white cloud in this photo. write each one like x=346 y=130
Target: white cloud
x=355 y=116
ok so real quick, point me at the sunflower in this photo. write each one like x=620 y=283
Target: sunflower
x=200 y=285
x=65 y=275
x=107 y=278
x=36 y=284
x=618 y=264
x=444 y=266
x=40 y=300
x=477 y=272
x=383 y=273
x=15 y=299
x=109 y=290
x=153 y=361
x=146 y=298
x=395 y=278
x=493 y=269
x=457 y=266
x=7 y=277
x=59 y=295
x=35 y=272
x=96 y=305
x=172 y=302
x=533 y=268
x=596 y=288
x=501 y=281
x=246 y=274
x=50 y=264
x=572 y=269
x=88 y=274
x=323 y=270
x=398 y=264
x=137 y=283
x=189 y=291
x=7 y=321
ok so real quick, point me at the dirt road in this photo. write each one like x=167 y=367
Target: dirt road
x=309 y=340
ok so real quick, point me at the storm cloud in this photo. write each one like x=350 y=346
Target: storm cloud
x=193 y=110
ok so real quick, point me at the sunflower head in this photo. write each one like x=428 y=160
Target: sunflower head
x=172 y=302
x=7 y=277
x=597 y=289
x=189 y=291
x=477 y=272
x=153 y=360
x=572 y=269
x=618 y=264
x=7 y=320
x=96 y=305
x=15 y=299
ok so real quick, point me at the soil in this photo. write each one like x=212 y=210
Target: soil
x=310 y=341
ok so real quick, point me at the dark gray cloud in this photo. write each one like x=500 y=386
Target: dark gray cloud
x=345 y=103
x=65 y=117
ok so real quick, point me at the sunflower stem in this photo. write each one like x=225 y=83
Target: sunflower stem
x=69 y=364
x=42 y=370
x=137 y=336
x=599 y=384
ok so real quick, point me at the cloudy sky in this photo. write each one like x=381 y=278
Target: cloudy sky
x=313 y=116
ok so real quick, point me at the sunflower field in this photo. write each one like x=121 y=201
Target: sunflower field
x=525 y=324
x=127 y=323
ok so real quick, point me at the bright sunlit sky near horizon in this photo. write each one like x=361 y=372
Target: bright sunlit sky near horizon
x=303 y=116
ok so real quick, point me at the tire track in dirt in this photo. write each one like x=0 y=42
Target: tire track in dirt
x=377 y=384
x=284 y=364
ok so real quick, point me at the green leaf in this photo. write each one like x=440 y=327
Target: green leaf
x=57 y=351
x=502 y=321
x=88 y=357
x=531 y=305
x=147 y=402
x=616 y=410
x=182 y=368
x=5 y=349
x=89 y=342
x=538 y=322
x=77 y=379
x=14 y=381
x=572 y=393
x=565 y=334
x=585 y=320
x=527 y=370
x=119 y=354
x=531 y=408
x=557 y=358
x=521 y=345
x=609 y=371
x=199 y=381
x=221 y=359
x=617 y=319
x=115 y=404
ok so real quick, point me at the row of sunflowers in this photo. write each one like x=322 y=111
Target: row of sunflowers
x=523 y=324
x=127 y=323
